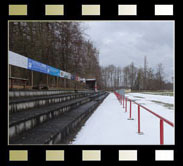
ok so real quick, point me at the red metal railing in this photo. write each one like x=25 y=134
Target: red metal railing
x=123 y=99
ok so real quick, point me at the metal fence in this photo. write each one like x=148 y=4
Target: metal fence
x=124 y=101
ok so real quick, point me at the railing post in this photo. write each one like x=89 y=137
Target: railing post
x=32 y=77
x=138 y=118
x=11 y=83
x=126 y=106
x=130 y=109
x=121 y=99
x=57 y=82
x=130 y=114
x=161 y=132
x=139 y=132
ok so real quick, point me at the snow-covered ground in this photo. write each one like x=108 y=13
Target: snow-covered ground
x=109 y=124
x=160 y=104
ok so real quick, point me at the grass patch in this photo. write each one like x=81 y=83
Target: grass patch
x=138 y=97
x=164 y=93
x=160 y=93
x=167 y=105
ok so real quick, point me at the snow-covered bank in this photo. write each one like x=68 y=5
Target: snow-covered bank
x=109 y=124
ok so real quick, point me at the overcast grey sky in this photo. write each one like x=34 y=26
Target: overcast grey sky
x=123 y=42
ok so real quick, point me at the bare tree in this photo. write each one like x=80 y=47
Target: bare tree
x=160 y=76
x=58 y=44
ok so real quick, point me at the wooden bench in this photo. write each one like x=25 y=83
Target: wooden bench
x=14 y=79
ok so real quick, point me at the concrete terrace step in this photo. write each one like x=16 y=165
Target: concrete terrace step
x=56 y=130
x=29 y=93
x=26 y=120
x=20 y=104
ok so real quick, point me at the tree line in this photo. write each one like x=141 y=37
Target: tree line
x=130 y=76
x=62 y=45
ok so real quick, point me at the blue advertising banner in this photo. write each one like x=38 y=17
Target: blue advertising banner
x=53 y=71
x=28 y=63
x=37 y=66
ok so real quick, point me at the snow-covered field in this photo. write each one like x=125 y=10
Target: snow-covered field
x=109 y=124
x=160 y=104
